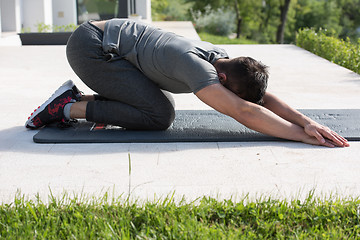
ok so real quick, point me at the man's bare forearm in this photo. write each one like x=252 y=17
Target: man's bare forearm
x=265 y=121
x=323 y=134
x=282 y=121
x=251 y=115
x=283 y=110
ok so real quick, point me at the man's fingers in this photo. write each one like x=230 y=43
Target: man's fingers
x=328 y=144
x=325 y=136
x=319 y=137
x=343 y=140
x=334 y=137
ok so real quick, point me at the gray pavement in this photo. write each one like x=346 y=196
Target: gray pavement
x=30 y=74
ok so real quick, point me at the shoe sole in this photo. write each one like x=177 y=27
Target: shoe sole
x=68 y=85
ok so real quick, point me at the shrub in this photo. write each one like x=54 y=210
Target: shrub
x=219 y=22
x=42 y=28
x=344 y=53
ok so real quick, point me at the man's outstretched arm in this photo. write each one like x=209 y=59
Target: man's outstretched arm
x=256 y=117
x=311 y=127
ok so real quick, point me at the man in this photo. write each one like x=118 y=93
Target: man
x=132 y=65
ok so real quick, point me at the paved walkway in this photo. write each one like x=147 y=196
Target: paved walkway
x=29 y=75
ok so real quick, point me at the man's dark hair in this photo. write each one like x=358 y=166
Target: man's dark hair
x=247 y=78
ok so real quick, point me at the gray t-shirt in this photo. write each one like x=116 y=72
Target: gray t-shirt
x=174 y=63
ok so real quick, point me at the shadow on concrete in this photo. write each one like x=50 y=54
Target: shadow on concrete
x=353 y=78
x=20 y=139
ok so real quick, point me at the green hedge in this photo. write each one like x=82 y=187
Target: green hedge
x=343 y=53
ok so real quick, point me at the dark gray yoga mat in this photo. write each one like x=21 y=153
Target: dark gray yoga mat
x=195 y=126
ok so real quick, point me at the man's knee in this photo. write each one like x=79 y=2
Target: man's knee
x=169 y=97
x=165 y=119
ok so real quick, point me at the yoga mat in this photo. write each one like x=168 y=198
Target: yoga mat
x=195 y=126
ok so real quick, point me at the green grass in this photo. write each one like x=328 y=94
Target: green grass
x=206 y=218
x=215 y=39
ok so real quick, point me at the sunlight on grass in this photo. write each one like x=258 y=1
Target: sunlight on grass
x=206 y=218
x=215 y=39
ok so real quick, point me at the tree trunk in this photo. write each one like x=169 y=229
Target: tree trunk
x=238 y=28
x=283 y=16
x=267 y=13
x=238 y=18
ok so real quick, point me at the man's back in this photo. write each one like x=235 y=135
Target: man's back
x=174 y=63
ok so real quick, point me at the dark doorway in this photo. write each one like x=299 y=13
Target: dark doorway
x=103 y=9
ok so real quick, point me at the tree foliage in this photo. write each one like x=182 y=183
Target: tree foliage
x=157 y=8
x=170 y=10
x=218 y=22
x=271 y=21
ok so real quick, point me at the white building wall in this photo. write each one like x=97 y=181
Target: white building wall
x=18 y=15
x=143 y=8
x=148 y=10
x=35 y=12
x=10 y=16
x=26 y=14
x=64 y=12
x=48 y=11
x=0 y=21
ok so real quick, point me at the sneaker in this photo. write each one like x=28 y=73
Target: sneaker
x=53 y=109
x=76 y=91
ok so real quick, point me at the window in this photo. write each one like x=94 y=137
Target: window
x=103 y=9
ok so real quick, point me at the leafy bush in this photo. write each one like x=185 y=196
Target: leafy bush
x=42 y=27
x=170 y=10
x=344 y=53
x=219 y=22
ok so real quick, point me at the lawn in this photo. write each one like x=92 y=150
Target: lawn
x=215 y=39
x=206 y=218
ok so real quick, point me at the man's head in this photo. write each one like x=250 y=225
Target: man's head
x=245 y=77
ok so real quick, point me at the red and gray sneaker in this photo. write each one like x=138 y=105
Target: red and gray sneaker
x=53 y=109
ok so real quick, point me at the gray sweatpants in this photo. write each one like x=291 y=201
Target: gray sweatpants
x=128 y=98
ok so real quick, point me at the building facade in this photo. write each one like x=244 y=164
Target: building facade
x=28 y=15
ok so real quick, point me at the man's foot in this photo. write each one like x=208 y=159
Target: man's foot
x=77 y=92
x=53 y=109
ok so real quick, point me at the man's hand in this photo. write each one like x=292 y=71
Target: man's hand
x=276 y=119
x=316 y=133
x=321 y=135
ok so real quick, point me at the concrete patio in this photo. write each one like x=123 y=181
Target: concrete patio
x=30 y=74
